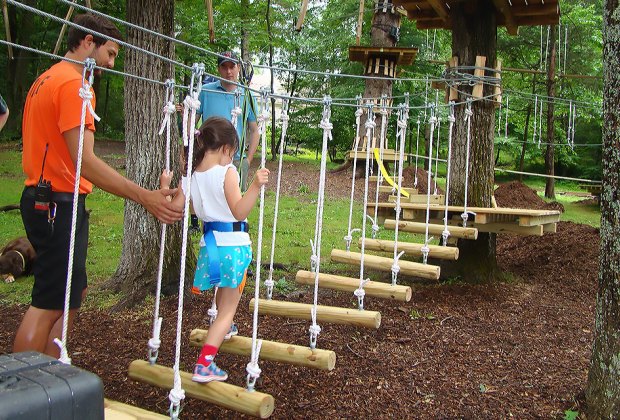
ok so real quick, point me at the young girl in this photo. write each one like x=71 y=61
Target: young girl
x=225 y=249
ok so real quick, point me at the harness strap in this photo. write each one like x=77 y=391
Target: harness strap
x=214 y=257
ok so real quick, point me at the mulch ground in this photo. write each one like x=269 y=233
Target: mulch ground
x=514 y=349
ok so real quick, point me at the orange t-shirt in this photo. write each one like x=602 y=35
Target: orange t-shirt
x=54 y=106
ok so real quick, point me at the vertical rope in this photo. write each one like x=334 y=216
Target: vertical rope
x=177 y=394
x=446 y=233
x=437 y=154
x=327 y=127
x=86 y=94
x=425 y=249
x=417 y=151
x=384 y=113
x=506 y=122
x=269 y=283
x=154 y=342
x=401 y=124
x=468 y=115
x=358 y=114
x=252 y=367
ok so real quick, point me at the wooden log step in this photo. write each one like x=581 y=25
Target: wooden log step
x=413 y=249
x=349 y=284
x=419 y=198
x=389 y=189
x=272 y=350
x=407 y=268
x=114 y=410
x=223 y=394
x=435 y=230
x=331 y=314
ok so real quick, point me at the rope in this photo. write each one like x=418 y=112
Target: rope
x=252 y=367
x=506 y=122
x=284 y=118
x=327 y=127
x=86 y=94
x=468 y=115
x=437 y=154
x=382 y=135
x=446 y=233
x=177 y=394
x=236 y=111
x=401 y=124
x=535 y=122
x=154 y=342
x=417 y=148
x=425 y=249
x=370 y=127
x=358 y=115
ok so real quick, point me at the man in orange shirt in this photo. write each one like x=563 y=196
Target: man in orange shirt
x=51 y=131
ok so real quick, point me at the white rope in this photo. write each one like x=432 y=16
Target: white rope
x=327 y=127
x=86 y=95
x=382 y=135
x=536 y=121
x=446 y=233
x=236 y=111
x=570 y=118
x=565 y=45
x=154 y=342
x=358 y=116
x=252 y=367
x=370 y=127
x=177 y=394
x=506 y=122
x=540 y=122
x=468 y=115
x=269 y=283
x=499 y=121
x=417 y=149
x=401 y=135
x=425 y=248
x=437 y=154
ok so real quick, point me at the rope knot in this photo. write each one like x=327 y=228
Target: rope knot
x=191 y=102
x=468 y=113
x=87 y=95
x=370 y=124
x=432 y=120
x=359 y=113
x=314 y=330
x=176 y=396
x=451 y=119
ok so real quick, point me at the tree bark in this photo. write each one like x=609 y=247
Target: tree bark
x=474 y=33
x=245 y=35
x=550 y=154
x=603 y=389
x=145 y=148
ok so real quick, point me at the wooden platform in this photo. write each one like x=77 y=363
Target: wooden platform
x=496 y=220
x=114 y=410
x=433 y=229
x=272 y=350
x=594 y=189
x=420 y=199
x=388 y=155
x=412 y=249
x=407 y=268
x=349 y=284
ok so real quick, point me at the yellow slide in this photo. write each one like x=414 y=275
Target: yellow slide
x=385 y=174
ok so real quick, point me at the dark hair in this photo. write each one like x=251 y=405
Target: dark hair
x=213 y=134
x=95 y=23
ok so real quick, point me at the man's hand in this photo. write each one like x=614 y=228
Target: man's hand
x=156 y=203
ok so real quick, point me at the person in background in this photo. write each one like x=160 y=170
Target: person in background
x=4 y=113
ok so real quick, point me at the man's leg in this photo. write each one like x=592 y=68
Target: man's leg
x=34 y=331
x=52 y=348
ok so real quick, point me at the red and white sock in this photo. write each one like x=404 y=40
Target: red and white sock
x=207 y=354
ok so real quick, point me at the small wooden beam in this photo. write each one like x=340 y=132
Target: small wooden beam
x=349 y=284
x=302 y=15
x=114 y=410
x=498 y=90
x=407 y=268
x=504 y=8
x=209 y=5
x=330 y=314
x=511 y=228
x=550 y=228
x=389 y=189
x=7 y=28
x=454 y=93
x=412 y=249
x=440 y=8
x=63 y=29
x=223 y=394
x=538 y=220
x=479 y=72
x=360 y=22
x=272 y=350
x=417 y=227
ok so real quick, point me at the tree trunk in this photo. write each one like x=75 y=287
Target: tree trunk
x=137 y=271
x=526 y=130
x=245 y=35
x=274 y=142
x=474 y=33
x=550 y=155
x=603 y=389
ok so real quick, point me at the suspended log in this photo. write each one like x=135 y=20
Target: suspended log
x=272 y=350
x=209 y=5
x=222 y=394
x=407 y=268
x=114 y=410
x=412 y=249
x=7 y=28
x=330 y=314
x=418 y=227
x=302 y=15
x=349 y=284
x=63 y=29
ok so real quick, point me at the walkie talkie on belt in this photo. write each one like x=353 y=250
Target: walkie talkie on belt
x=43 y=190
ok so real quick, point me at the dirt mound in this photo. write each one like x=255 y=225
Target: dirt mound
x=517 y=195
x=589 y=202
x=422 y=187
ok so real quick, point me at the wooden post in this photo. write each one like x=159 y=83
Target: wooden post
x=454 y=93
x=360 y=23
x=412 y=249
x=407 y=268
x=498 y=89
x=302 y=15
x=349 y=284
x=418 y=227
x=331 y=314
x=63 y=29
x=479 y=72
x=209 y=4
x=223 y=394
x=7 y=28
x=272 y=350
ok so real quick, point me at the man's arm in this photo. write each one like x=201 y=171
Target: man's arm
x=3 y=119
x=253 y=137
x=102 y=175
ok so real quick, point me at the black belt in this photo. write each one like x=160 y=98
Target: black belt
x=57 y=197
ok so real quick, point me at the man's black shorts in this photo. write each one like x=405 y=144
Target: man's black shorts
x=52 y=248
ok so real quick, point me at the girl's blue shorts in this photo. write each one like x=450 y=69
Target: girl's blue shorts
x=234 y=261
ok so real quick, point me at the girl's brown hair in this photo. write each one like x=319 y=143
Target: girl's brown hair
x=213 y=134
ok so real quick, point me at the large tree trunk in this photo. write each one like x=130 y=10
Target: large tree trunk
x=550 y=155
x=603 y=390
x=474 y=33
x=137 y=271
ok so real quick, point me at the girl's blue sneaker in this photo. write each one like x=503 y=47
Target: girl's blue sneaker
x=210 y=373
x=232 y=331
